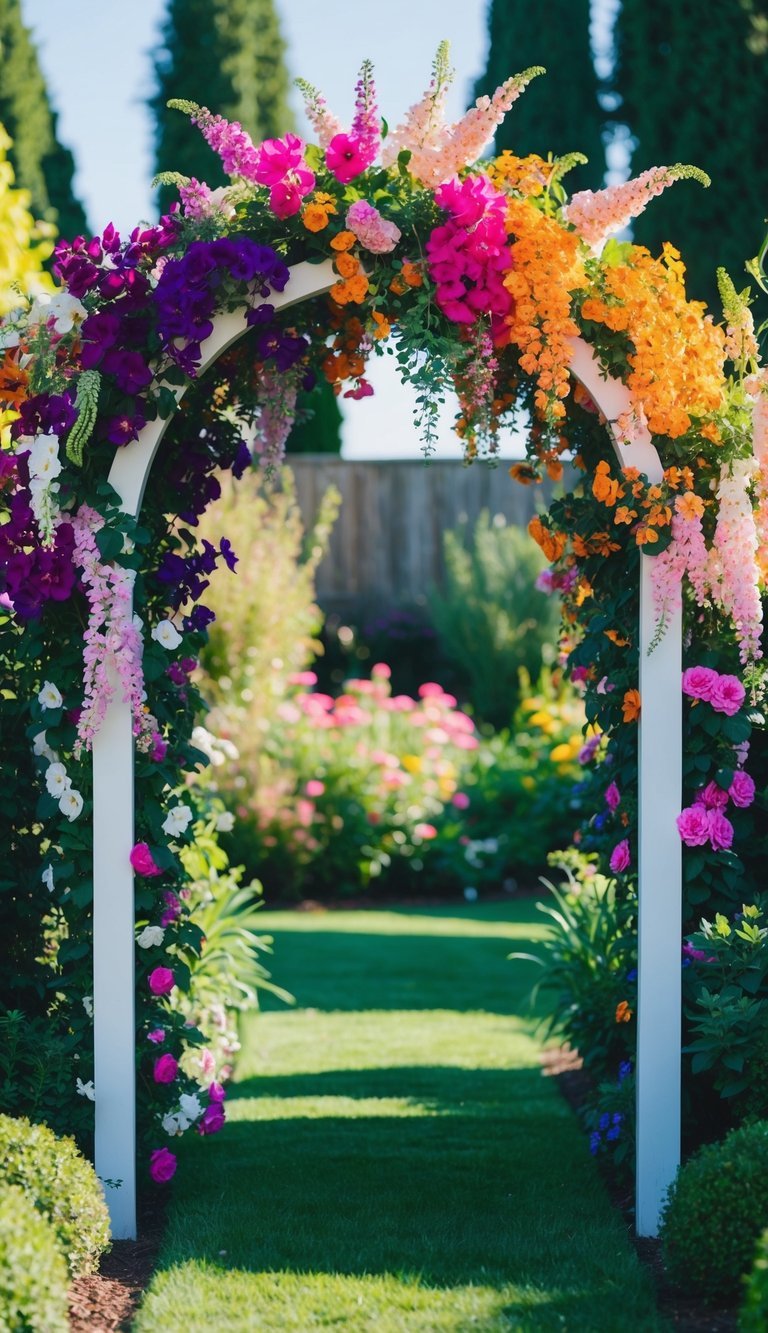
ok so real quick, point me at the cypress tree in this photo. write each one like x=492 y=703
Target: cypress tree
x=693 y=84
x=41 y=164
x=559 y=113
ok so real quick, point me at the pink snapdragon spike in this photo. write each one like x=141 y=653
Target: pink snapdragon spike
x=734 y=571
x=143 y=861
x=598 y=214
x=325 y=125
x=757 y=388
x=162 y=1165
x=228 y=139
x=348 y=155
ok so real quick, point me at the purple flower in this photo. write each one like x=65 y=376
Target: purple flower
x=129 y=369
x=165 y=1069
x=162 y=1165
x=620 y=857
x=122 y=429
x=212 y=1119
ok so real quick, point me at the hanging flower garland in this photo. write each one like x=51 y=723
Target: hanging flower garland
x=475 y=275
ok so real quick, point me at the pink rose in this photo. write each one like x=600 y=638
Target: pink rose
x=612 y=796
x=314 y=787
x=166 y=1069
x=712 y=797
x=212 y=1119
x=620 y=857
x=742 y=789
x=157 y=1035
x=161 y=981
x=720 y=830
x=698 y=682
x=162 y=1165
x=693 y=826
x=727 y=695
x=143 y=861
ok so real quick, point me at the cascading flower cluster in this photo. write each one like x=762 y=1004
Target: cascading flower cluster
x=468 y=254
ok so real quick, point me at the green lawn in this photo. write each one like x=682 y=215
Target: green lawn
x=395 y=1160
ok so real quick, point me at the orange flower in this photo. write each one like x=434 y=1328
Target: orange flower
x=624 y=515
x=352 y=289
x=411 y=274
x=346 y=265
x=345 y=240
x=623 y=1012
x=314 y=217
x=630 y=706
x=710 y=432
x=615 y=637
x=13 y=380
x=689 y=505
x=551 y=543
x=383 y=327
x=605 y=487
x=524 y=473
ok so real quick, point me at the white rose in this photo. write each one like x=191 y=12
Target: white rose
x=56 y=780
x=88 y=1005
x=166 y=634
x=86 y=1089
x=150 y=937
x=71 y=804
x=177 y=820
x=47 y=878
x=225 y=822
x=190 y=1105
x=49 y=696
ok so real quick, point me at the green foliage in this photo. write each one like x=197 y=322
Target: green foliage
x=43 y=166
x=562 y=112
x=693 y=88
x=490 y=617
x=61 y=1184
x=33 y=1275
x=38 y=1069
x=717 y=1208
x=754 y=1313
x=229 y=54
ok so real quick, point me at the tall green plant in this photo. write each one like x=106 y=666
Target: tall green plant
x=491 y=618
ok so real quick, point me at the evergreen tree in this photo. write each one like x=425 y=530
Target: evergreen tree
x=693 y=84
x=42 y=165
x=559 y=113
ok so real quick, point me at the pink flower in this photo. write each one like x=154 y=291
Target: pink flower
x=212 y=1119
x=460 y=800
x=620 y=857
x=159 y=748
x=698 y=682
x=302 y=678
x=314 y=787
x=742 y=789
x=276 y=157
x=372 y=230
x=712 y=797
x=143 y=861
x=157 y=1035
x=380 y=671
x=162 y=1165
x=285 y=199
x=161 y=981
x=693 y=825
x=425 y=832
x=579 y=675
x=612 y=797
x=166 y=1068
x=347 y=156
x=216 y=1093
x=727 y=695
x=720 y=830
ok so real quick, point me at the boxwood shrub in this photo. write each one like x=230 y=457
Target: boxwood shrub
x=33 y=1270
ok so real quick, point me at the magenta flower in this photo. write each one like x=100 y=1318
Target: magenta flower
x=212 y=1119
x=612 y=797
x=276 y=157
x=161 y=981
x=460 y=800
x=347 y=156
x=166 y=1068
x=693 y=825
x=216 y=1092
x=285 y=197
x=712 y=797
x=143 y=861
x=620 y=857
x=162 y=1165
x=720 y=830
x=698 y=682
x=157 y=1035
x=727 y=695
x=742 y=789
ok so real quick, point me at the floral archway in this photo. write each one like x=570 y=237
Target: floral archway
x=482 y=276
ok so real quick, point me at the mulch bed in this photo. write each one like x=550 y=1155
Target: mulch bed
x=686 y=1313
x=107 y=1301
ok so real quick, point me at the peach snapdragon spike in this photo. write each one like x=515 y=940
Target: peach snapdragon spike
x=440 y=151
x=598 y=214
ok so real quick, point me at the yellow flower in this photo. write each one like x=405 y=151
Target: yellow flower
x=411 y=763
x=722 y=925
x=561 y=754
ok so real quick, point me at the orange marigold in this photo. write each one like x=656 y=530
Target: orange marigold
x=344 y=240
x=346 y=265
x=314 y=217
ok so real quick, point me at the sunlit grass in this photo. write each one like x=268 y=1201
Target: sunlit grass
x=395 y=1161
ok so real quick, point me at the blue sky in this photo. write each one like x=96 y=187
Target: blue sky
x=96 y=55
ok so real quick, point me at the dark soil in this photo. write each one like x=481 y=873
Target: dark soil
x=107 y=1301
x=686 y=1313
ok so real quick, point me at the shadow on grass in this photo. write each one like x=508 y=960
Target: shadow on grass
x=440 y=1089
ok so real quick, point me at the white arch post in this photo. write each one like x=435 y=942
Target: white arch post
x=114 y=1028
x=660 y=891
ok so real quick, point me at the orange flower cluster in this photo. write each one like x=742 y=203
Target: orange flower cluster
x=410 y=275
x=552 y=543
x=525 y=175
x=623 y=1011
x=546 y=269
x=345 y=360
x=354 y=284
x=630 y=705
x=14 y=380
x=676 y=367
x=316 y=213
x=650 y=507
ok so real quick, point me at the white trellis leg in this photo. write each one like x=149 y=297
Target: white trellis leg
x=113 y=830
x=659 y=850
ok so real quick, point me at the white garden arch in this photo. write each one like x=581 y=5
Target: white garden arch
x=660 y=862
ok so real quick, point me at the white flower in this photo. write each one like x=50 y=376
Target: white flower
x=177 y=820
x=150 y=937
x=65 y=311
x=47 y=878
x=44 y=461
x=166 y=634
x=49 y=696
x=175 y=1123
x=41 y=748
x=71 y=804
x=88 y=1005
x=86 y=1089
x=225 y=822
x=56 y=780
x=190 y=1105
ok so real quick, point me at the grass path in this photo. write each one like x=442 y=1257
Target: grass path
x=395 y=1160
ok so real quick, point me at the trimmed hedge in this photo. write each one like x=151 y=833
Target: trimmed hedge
x=33 y=1271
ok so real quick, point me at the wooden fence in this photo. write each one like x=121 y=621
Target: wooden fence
x=386 y=548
